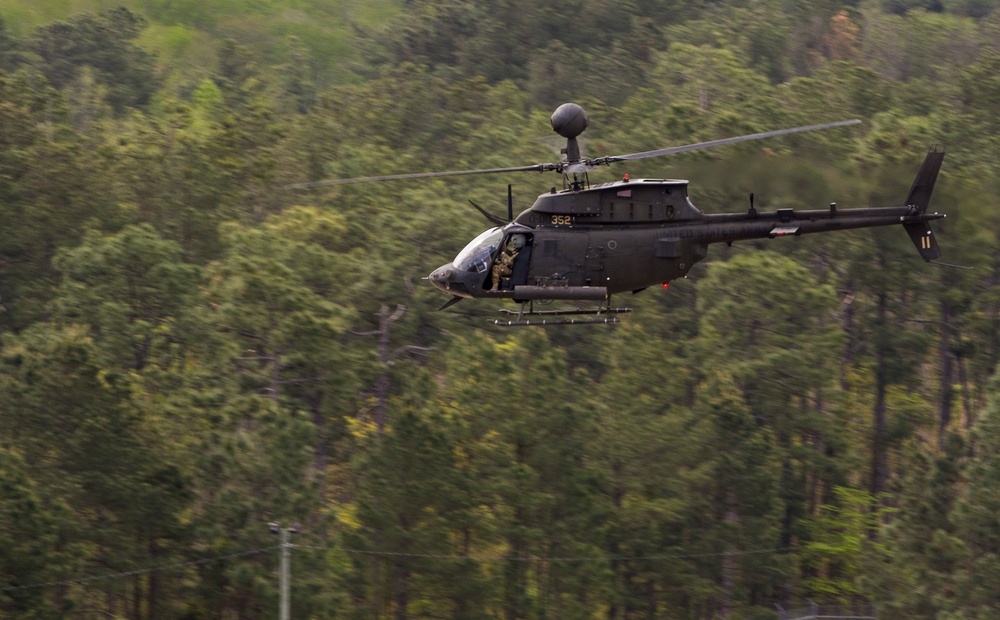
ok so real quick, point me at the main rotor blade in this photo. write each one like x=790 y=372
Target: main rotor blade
x=723 y=141
x=575 y=166
x=422 y=175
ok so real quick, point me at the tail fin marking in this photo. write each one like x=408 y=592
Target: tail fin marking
x=924 y=239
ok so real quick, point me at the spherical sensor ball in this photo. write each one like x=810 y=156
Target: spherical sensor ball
x=569 y=120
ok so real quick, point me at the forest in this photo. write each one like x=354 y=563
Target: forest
x=191 y=350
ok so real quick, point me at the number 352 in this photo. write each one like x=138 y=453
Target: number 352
x=558 y=220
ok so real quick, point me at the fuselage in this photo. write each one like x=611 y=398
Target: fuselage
x=625 y=236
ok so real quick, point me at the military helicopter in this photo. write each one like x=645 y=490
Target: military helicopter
x=588 y=242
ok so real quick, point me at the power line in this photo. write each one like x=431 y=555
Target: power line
x=140 y=571
x=433 y=556
x=606 y=558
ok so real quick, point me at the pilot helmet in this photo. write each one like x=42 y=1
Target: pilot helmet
x=518 y=240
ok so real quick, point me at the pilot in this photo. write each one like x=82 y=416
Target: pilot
x=505 y=262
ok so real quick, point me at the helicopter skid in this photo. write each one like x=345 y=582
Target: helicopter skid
x=561 y=317
x=567 y=312
x=611 y=320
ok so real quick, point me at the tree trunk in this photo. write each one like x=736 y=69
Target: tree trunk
x=137 y=601
x=401 y=591
x=947 y=371
x=849 y=325
x=382 y=385
x=321 y=456
x=153 y=583
x=617 y=566
x=880 y=461
x=963 y=379
x=516 y=570
x=729 y=567
x=994 y=347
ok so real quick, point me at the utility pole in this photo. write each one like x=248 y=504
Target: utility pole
x=285 y=570
x=286 y=604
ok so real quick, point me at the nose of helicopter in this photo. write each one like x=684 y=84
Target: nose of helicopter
x=449 y=280
x=442 y=277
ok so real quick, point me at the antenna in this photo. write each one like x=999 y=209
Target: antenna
x=510 y=203
x=940 y=264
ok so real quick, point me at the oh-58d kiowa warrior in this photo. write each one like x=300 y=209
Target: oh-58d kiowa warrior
x=589 y=242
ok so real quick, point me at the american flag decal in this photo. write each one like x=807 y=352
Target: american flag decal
x=625 y=193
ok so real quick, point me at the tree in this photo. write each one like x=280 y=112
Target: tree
x=47 y=193
x=190 y=168
x=280 y=295
x=916 y=570
x=835 y=552
x=640 y=451
x=540 y=493
x=976 y=524
x=776 y=338
x=686 y=67
x=892 y=351
x=744 y=506
x=9 y=49
x=103 y=42
x=133 y=289
x=32 y=548
x=83 y=438
x=415 y=505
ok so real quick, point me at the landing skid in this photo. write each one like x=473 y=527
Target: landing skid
x=527 y=318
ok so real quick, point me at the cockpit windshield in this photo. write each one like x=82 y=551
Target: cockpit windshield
x=478 y=255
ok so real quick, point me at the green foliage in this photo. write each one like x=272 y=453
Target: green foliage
x=417 y=498
x=840 y=533
x=191 y=350
x=46 y=191
x=945 y=41
x=772 y=332
x=104 y=43
x=132 y=289
x=30 y=547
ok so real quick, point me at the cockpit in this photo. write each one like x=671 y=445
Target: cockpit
x=478 y=255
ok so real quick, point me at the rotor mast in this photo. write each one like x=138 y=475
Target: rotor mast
x=569 y=121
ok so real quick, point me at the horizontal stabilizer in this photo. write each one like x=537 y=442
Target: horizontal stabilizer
x=923 y=238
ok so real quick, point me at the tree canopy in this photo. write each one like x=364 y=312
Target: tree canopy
x=190 y=350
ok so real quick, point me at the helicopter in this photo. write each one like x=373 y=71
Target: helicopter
x=588 y=242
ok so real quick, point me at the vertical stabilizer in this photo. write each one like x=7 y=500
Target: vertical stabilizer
x=923 y=185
